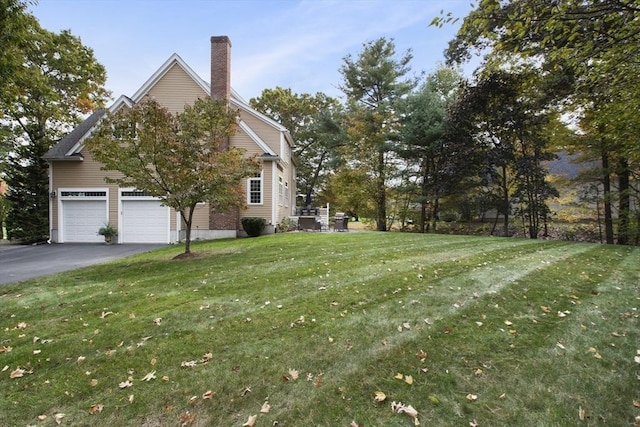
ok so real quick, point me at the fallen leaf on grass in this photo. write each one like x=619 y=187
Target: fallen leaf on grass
x=265 y=408
x=105 y=314
x=401 y=408
x=636 y=403
x=42 y=417
x=355 y=424
x=5 y=349
x=17 y=373
x=581 y=413
x=293 y=374
x=472 y=397
x=96 y=408
x=157 y=321
x=150 y=376
x=251 y=421
x=58 y=417
x=379 y=396
x=208 y=395
x=21 y=325
x=125 y=384
x=187 y=418
x=408 y=379
x=595 y=353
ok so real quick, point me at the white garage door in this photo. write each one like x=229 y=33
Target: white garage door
x=144 y=221
x=81 y=220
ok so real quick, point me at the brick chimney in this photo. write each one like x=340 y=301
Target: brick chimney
x=220 y=67
x=221 y=89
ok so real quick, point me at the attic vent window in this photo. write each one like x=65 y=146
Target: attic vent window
x=83 y=194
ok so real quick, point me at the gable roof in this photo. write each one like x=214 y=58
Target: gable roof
x=68 y=148
x=63 y=150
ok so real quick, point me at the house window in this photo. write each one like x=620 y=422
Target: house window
x=254 y=189
x=286 y=193
x=83 y=194
x=280 y=192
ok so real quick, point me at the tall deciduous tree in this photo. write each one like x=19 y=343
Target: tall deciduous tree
x=505 y=119
x=311 y=119
x=373 y=83
x=48 y=81
x=181 y=158
x=596 y=41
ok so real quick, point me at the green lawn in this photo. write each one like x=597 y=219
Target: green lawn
x=308 y=327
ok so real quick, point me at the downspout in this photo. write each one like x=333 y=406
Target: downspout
x=51 y=195
x=275 y=200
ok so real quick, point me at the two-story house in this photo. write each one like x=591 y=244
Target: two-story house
x=81 y=201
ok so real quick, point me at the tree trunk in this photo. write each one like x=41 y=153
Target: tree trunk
x=425 y=195
x=188 y=221
x=505 y=201
x=606 y=182
x=381 y=195
x=434 y=213
x=624 y=202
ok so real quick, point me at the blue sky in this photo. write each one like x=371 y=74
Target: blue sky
x=297 y=44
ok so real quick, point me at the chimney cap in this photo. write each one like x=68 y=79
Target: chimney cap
x=220 y=39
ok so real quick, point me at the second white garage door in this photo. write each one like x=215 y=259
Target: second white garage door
x=144 y=221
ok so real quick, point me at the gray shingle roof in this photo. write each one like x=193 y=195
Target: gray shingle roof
x=59 y=151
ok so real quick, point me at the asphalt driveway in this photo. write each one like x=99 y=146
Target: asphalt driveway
x=26 y=262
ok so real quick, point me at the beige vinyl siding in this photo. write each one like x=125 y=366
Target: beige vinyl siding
x=176 y=89
x=263 y=210
x=267 y=132
x=200 y=217
x=243 y=141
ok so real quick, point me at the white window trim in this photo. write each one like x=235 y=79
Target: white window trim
x=249 y=180
x=287 y=194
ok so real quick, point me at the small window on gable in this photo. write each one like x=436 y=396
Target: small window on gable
x=286 y=193
x=254 y=189
x=285 y=151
